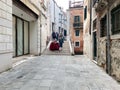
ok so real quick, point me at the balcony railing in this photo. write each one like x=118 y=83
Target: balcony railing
x=77 y=25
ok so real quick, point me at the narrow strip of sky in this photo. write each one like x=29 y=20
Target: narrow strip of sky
x=64 y=3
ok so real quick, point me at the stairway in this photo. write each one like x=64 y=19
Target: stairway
x=65 y=50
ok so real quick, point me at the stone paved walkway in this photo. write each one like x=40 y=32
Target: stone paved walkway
x=57 y=73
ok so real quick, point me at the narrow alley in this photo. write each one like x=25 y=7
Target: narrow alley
x=51 y=72
x=59 y=44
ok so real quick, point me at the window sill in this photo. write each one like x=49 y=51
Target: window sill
x=117 y=36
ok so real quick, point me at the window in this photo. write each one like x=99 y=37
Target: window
x=116 y=20
x=94 y=24
x=85 y=12
x=77 y=32
x=76 y=18
x=77 y=44
x=103 y=27
x=20 y=36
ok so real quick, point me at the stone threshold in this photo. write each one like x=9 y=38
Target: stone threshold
x=18 y=60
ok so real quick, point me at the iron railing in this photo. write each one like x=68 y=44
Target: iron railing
x=77 y=25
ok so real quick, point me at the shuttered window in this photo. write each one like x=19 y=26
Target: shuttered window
x=116 y=20
x=103 y=27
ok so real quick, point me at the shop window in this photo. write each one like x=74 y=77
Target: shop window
x=116 y=20
x=103 y=27
x=20 y=36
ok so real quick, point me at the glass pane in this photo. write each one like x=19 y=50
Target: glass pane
x=14 y=36
x=77 y=32
x=19 y=37
x=76 y=43
x=25 y=37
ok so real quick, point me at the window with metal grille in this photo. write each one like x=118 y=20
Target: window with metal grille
x=76 y=18
x=77 y=32
x=103 y=27
x=116 y=20
x=77 y=44
x=94 y=24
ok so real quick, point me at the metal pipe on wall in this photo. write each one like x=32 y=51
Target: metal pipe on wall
x=108 y=41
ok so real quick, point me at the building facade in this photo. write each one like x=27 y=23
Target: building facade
x=102 y=37
x=109 y=28
x=90 y=30
x=75 y=16
x=23 y=29
x=56 y=18
x=87 y=33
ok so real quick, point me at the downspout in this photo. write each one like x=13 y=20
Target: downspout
x=40 y=36
x=108 y=41
x=90 y=16
x=90 y=31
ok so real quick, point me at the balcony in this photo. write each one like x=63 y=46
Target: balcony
x=77 y=25
x=100 y=5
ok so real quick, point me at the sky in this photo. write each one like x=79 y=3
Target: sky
x=64 y=3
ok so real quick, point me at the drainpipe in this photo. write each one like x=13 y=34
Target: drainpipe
x=40 y=36
x=90 y=29
x=108 y=41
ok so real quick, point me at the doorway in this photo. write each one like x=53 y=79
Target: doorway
x=20 y=36
x=94 y=45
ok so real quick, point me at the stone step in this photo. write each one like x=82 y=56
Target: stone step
x=65 y=50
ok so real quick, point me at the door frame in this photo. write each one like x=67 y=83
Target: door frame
x=16 y=46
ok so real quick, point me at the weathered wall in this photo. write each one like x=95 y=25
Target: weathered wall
x=115 y=58
x=86 y=35
x=74 y=12
x=80 y=49
x=115 y=49
x=102 y=52
x=114 y=45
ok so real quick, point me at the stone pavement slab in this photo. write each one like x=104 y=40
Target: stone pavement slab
x=57 y=73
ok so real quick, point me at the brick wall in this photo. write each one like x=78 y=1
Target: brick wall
x=76 y=12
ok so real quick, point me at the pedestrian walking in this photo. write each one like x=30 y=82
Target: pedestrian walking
x=57 y=35
x=61 y=41
x=53 y=35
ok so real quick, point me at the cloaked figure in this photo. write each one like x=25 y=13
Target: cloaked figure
x=53 y=35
